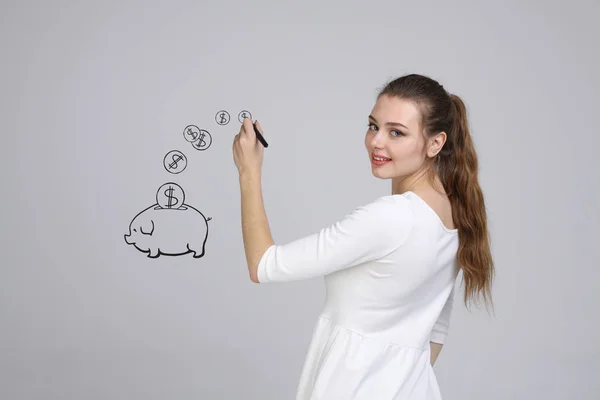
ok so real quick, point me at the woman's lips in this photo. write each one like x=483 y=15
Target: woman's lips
x=378 y=163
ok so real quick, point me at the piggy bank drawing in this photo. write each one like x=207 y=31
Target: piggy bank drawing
x=169 y=231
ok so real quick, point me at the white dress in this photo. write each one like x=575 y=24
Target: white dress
x=389 y=269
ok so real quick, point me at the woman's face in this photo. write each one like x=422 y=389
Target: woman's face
x=395 y=132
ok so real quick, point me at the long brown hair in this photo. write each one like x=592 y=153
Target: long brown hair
x=457 y=166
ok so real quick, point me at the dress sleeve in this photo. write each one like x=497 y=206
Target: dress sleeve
x=368 y=233
x=440 y=328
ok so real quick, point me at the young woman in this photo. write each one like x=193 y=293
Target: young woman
x=389 y=266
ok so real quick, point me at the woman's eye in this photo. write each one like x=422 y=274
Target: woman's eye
x=398 y=133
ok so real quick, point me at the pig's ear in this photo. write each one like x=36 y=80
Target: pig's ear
x=148 y=229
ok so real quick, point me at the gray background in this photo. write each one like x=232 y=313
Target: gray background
x=94 y=94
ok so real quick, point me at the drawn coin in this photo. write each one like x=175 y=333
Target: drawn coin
x=170 y=195
x=191 y=133
x=175 y=161
x=222 y=117
x=244 y=114
x=204 y=140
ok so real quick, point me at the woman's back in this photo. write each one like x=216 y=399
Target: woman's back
x=389 y=269
x=398 y=297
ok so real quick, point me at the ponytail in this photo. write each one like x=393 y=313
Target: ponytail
x=468 y=207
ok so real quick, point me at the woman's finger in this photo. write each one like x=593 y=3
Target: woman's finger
x=258 y=127
x=247 y=126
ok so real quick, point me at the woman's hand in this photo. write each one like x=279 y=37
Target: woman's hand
x=247 y=150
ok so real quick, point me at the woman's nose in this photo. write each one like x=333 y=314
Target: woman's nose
x=376 y=141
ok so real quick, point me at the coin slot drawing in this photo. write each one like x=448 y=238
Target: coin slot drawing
x=175 y=161
x=169 y=227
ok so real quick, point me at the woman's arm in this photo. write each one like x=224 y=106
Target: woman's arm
x=370 y=232
x=255 y=226
x=435 y=351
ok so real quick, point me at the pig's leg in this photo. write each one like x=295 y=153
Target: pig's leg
x=196 y=255
x=153 y=252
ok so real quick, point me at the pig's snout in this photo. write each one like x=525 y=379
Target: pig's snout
x=127 y=239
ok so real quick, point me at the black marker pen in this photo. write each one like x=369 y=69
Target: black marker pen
x=259 y=136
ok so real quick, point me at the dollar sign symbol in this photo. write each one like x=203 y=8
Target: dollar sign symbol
x=223 y=119
x=169 y=194
x=202 y=142
x=176 y=159
x=191 y=133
